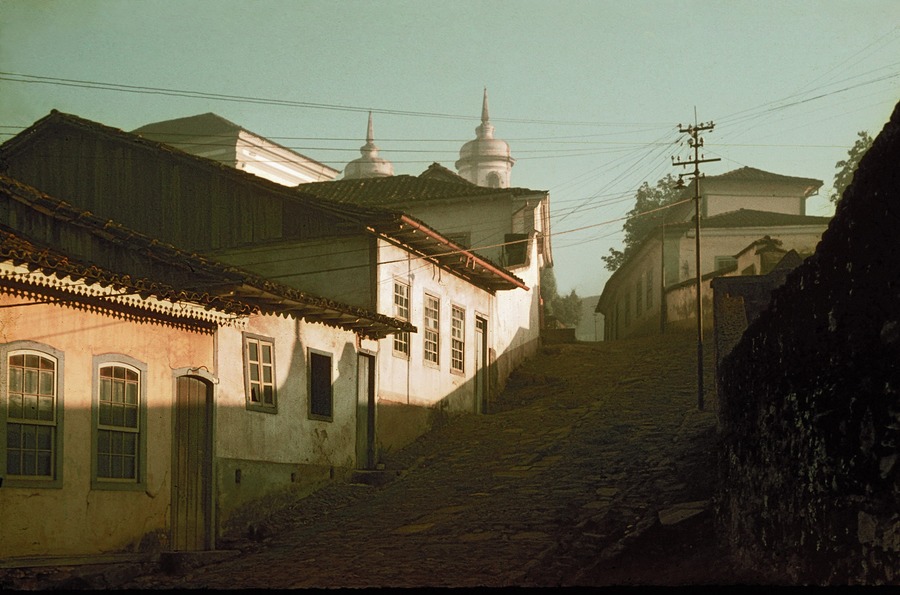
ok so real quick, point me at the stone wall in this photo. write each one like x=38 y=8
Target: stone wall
x=810 y=401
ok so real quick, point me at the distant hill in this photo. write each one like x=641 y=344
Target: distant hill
x=590 y=328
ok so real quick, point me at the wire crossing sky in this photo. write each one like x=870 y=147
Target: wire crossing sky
x=589 y=93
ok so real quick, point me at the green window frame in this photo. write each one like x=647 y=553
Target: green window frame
x=31 y=415
x=119 y=415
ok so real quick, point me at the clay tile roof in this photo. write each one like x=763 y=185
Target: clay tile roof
x=757 y=175
x=212 y=284
x=751 y=218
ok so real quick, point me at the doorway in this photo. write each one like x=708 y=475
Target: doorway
x=481 y=364
x=192 y=465
x=365 y=412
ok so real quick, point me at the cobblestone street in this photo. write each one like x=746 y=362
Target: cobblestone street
x=596 y=468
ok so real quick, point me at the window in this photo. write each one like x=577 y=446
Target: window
x=432 y=329
x=119 y=414
x=32 y=411
x=724 y=262
x=259 y=373
x=457 y=339
x=649 y=284
x=320 y=394
x=401 y=312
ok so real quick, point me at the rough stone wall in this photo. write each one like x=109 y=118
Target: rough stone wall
x=810 y=401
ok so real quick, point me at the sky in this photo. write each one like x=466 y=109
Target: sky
x=589 y=94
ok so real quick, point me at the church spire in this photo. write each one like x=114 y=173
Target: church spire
x=486 y=130
x=369 y=164
x=485 y=161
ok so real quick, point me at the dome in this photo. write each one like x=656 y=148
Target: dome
x=486 y=160
x=369 y=164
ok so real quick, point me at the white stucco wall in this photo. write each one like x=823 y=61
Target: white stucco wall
x=76 y=519
x=259 y=454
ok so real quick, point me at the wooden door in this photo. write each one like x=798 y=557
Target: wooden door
x=481 y=365
x=365 y=412
x=192 y=466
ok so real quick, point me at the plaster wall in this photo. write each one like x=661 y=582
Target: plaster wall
x=75 y=519
x=261 y=454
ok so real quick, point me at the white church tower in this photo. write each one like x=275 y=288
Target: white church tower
x=485 y=161
x=369 y=164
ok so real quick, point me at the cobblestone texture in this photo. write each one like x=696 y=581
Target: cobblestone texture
x=595 y=468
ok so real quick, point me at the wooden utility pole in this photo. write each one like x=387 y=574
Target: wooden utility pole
x=695 y=141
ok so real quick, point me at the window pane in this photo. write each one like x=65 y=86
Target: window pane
x=267 y=374
x=254 y=351
x=13 y=462
x=267 y=354
x=105 y=389
x=31 y=381
x=46 y=387
x=118 y=392
x=15 y=406
x=128 y=468
x=30 y=409
x=32 y=361
x=131 y=375
x=129 y=444
x=115 y=468
x=44 y=460
x=131 y=393
x=254 y=373
x=103 y=441
x=268 y=395
x=16 y=378
x=45 y=408
x=118 y=416
x=131 y=417
x=118 y=372
x=17 y=360
x=105 y=414
x=44 y=438
x=29 y=463
x=13 y=435
x=103 y=465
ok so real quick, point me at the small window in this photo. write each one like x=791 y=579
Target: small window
x=432 y=332
x=119 y=441
x=320 y=393
x=259 y=373
x=724 y=262
x=32 y=408
x=457 y=339
x=401 y=312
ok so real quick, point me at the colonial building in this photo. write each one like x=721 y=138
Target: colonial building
x=212 y=136
x=656 y=287
x=153 y=399
x=380 y=260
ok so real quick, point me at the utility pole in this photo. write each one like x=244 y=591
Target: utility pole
x=695 y=142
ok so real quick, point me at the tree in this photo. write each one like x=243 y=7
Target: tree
x=566 y=309
x=640 y=220
x=847 y=167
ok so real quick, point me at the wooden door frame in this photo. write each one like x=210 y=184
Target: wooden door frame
x=211 y=382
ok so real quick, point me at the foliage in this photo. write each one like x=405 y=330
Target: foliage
x=847 y=167
x=566 y=309
x=641 y=220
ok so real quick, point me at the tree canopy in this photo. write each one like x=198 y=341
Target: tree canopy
x=847 y=167
x=640 y=220
x=566 y=309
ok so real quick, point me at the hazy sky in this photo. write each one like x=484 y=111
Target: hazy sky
x=589 y=94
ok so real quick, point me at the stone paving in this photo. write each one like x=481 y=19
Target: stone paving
x=595 y=468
